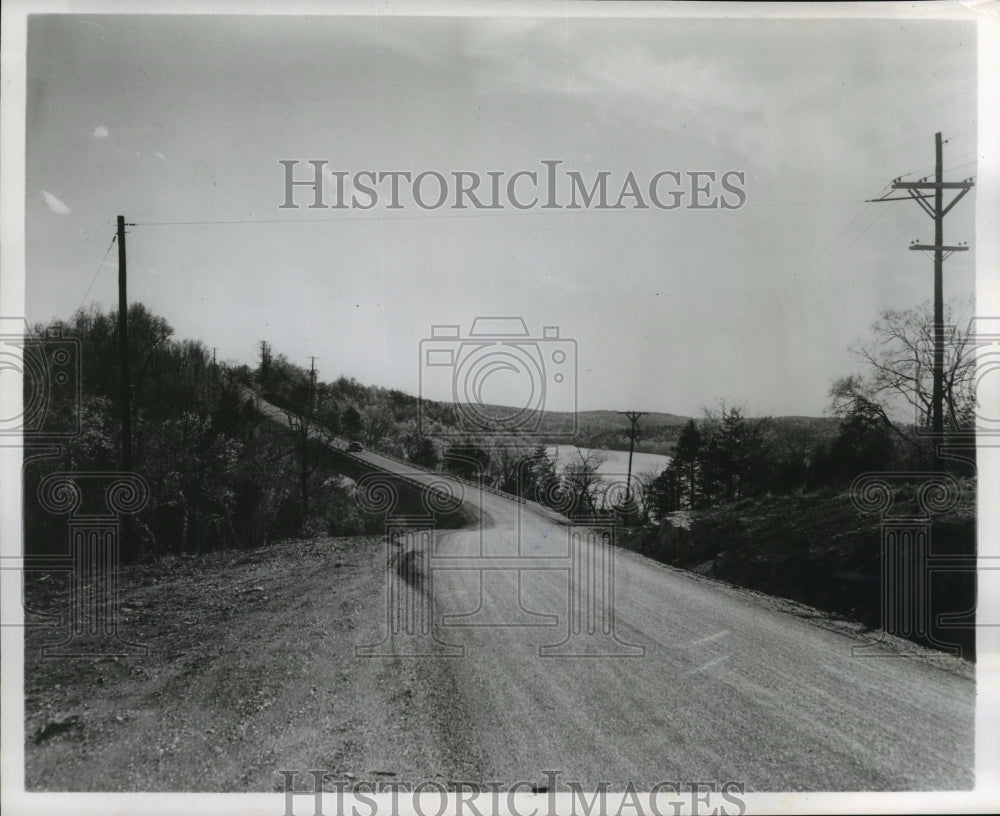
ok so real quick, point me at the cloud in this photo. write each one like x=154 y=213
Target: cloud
x=100 y=132
x=57 y=206
x=160 y=156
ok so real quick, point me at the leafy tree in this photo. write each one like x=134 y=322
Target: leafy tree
x=467 y=459
x=664 y=493
x=538 y=475
x=734 y=454
x=378 y=423
x=418 y=447
x=864 y=443
x=425 y=453
x=792 y=450
x=328 y=416
x=351 y=422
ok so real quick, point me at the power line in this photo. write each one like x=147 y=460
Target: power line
x=814 y=267
x=97 y=271
x=425 y=216
x=928 y=170
x=806 y=274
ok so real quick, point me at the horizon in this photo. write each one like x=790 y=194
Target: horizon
x=650 y=411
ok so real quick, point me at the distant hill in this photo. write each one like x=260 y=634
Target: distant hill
x=658 y=431
x=606 y=429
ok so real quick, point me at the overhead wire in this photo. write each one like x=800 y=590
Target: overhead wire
x=98 y=270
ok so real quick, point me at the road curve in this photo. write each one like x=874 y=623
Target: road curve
x=696 y=681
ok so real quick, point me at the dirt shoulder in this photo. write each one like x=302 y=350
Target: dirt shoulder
x=251 y=668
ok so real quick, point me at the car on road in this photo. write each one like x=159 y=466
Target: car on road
x=355 y=447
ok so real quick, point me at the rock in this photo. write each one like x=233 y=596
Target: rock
x=53 y=727
x=673 y=537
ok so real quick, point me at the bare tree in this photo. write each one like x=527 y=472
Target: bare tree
x=642 y=496
x=900 y=364
x=307 y=432
x=505 y=462
x=581 y=478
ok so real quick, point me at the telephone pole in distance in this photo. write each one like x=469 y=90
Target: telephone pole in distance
x=633 y=433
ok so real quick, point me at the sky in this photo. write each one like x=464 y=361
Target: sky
x=179 y=124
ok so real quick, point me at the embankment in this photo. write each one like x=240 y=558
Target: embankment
x=819 y=549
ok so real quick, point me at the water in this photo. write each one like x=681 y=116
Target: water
x=616 y=465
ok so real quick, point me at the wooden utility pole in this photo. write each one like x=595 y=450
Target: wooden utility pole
x=633 y=417
x=264 y=369
x=920 y=191
x=126 y=383
x=304 y=428
x=126 y=537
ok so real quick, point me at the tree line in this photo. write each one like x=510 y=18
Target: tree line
x=221 y=475
x=883 y=414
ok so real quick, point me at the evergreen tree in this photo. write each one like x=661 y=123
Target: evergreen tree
x=686 y=458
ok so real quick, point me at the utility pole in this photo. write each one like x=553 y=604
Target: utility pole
x=633 y=417
x=312 y=384
x=304 y=428
x=125 y=531
x=264 y=369
x=921 y=191
x=126 y=384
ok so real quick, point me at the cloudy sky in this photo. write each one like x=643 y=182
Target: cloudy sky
x=179 y=123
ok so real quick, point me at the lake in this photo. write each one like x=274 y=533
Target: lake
x=616 y=463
